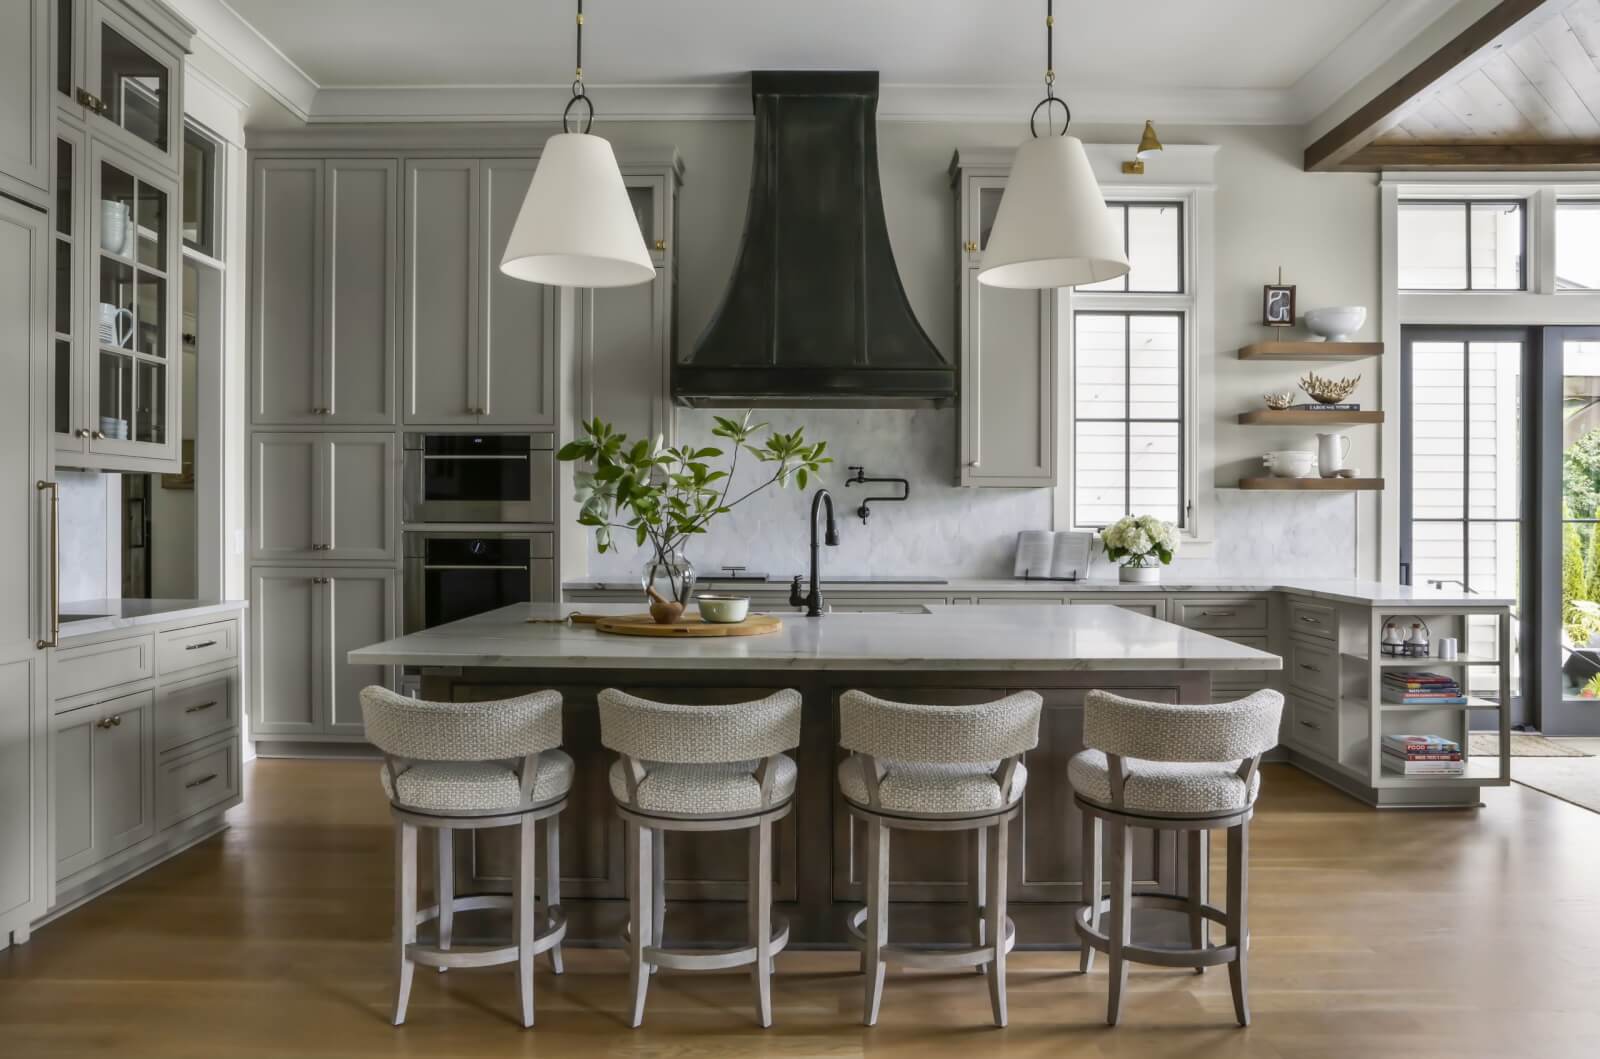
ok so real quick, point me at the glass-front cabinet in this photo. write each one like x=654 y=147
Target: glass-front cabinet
x=119 y=70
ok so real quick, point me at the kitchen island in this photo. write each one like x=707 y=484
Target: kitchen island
x=938 y=654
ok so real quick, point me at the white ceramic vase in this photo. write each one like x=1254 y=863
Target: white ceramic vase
x=1139 y=575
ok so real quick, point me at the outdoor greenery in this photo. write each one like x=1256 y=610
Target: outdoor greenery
x=1580 y=551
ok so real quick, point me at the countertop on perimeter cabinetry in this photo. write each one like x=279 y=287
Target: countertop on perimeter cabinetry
x=108 y=615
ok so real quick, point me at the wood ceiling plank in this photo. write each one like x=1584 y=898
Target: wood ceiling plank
x=1515 y=86
x=1494 y=114
x=1536 y=65
x=1561 y=44
x=1584 y=18
x=1450 y=124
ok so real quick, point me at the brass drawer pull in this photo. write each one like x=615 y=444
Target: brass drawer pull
x=201 y=782
x=661 y=244
x=1308 y=724
x=202 y=706
x=1310 y=620
x=114 y=721
x=1216 y=613
x=970 y=247
x=197 y=646
x=1312 y=668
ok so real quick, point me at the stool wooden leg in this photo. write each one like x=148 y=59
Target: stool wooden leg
x=523 y=914
x=1199 y=886
x=997 y=921
x=877 y=922
x=977 y=893
x=552 y=880
x=761 y=918
x=1121 y=933
x=640 y=918
x=444 y=886
x=1238 y=917
x=1093 y=883
x=405 y=913
x=658 y=889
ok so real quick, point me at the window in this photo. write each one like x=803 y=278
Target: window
x=200 y=192
x=1461 y=245
x=1152 y=238
x=1578 y=244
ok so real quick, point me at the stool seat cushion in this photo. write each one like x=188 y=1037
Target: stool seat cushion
x=1156 y=787
x=726 y=788
x=932 y=789
x=477 y=786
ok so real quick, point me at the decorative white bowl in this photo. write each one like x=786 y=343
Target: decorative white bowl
x=1290 y=463
x=1336 y=324
x=722 y=610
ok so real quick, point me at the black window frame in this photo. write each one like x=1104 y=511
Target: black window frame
x=1466 y=205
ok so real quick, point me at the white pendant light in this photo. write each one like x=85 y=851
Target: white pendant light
x=1052 y=228
x=577 y=227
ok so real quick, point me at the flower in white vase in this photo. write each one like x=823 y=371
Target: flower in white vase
x=1140 y=540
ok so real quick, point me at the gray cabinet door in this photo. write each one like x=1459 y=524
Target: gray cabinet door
x=362 y=609
x=72 y=801
x=358 y=475
x=622 y=336
x=516 y=364
x=1009 y=380
x=104 y=784
x=441 y=306
x=286 y=660
x=360 y=320
x=287 y=516
x=286 y=280
x=25 y=98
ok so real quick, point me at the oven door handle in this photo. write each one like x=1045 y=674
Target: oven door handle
x=524 y=457
x=471 y=566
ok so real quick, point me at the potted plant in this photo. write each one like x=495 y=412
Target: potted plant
x=664 y=496
x=1143 y=544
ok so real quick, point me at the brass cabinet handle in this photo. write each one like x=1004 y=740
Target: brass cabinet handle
x=973 y=463
x=1312 y=668
x=83 y=433
x=201 y=782
x=970 y=246
x=90 y=101
x=1216 y=614
x=661 y=244
x=198 y=646
x=98 y=435
x=1310 y=621
x=321 y=580
x=202 y=706
x=54 y=490
x=114 y=721
x=1308 y=724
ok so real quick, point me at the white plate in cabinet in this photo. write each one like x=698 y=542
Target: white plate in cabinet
x=94 y=667
x=1313 y=619
x=1221 y=615
x=1313 y=667
x=196 y=782
x=196 y=709
x=1150 y=608
x=201 y=645
x=1313 y=727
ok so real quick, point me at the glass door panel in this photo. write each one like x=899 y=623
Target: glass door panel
x=64 y=315
x=135 y=87
x=1577 y=647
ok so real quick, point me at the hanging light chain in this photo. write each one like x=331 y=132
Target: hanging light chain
x=579 y=95
x=1050 y=100
x=577 y=77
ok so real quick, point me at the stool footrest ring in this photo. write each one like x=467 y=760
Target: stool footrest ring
x=932 y=959
x=712 y=959
x=555 y=923
x=1209 y=956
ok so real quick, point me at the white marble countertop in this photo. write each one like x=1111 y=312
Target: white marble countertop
x=946 y=638
x=108 y=615
x=1339 y=590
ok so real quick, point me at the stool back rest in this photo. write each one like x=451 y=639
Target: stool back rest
x=1156 y=731
x=699 y=735
x=417 y=730
x=939 y=735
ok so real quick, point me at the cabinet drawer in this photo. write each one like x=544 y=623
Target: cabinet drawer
x=1150 y=608
x=1241 y=682
x=1314 y=728
x=195 y=710
x=1313 y=667
x=195 y=783
x=95 y=667
x=1221 y=615
x=200 y=645
x=1313 y=619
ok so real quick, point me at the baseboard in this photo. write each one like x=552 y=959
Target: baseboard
x=307 y=748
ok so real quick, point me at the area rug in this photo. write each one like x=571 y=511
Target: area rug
x=1523 y=744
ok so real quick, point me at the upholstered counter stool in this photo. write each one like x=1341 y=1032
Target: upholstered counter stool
x=454 y=766
x=1187 y=769
x=699 y=768
x=936 y=768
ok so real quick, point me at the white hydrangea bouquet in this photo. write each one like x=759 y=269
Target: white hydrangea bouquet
x=1143 y=544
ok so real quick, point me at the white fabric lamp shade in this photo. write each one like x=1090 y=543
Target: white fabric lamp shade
x=1052 y=228
x=577 y=227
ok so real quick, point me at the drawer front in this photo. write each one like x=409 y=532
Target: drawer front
x=1313 y=667
x=1313 y=619
x=1314 y=728
x=199 y=645
x=1240 y=682
x=1221 y=615
x=196 y=782
x=95 y=667
x=1150 y=608
x=195 y=710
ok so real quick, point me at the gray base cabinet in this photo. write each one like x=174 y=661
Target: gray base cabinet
x=104 y=783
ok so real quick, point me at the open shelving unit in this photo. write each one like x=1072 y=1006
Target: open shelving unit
x=1299 y=417
x=1315 y=485
x=1310 y=350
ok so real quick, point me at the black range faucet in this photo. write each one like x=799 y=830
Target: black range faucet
x=813 y=601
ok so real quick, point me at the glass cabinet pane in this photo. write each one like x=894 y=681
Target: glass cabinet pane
x=116 y=395
x=134 y=87
x=199 y=198
x=114 y=315
x=64 y=38
x=149 y=315
x=150 y=224
x=150 y=416
x=644 y=208
x=61 y=413
x=117 y=194
x=988 y=206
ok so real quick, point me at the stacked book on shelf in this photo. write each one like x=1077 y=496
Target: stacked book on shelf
x=1423 y=755
x=1422 y=689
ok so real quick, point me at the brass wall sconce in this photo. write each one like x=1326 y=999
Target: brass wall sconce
x=1148 y=145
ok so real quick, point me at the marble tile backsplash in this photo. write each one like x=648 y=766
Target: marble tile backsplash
x=91 y=540
x=947 y=531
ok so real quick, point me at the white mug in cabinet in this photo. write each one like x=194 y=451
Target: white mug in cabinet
x=1332 y=451
x=116 y=326
x=113 y=226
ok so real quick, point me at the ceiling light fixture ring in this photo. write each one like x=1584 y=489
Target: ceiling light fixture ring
x=587 y=119
x=1050 y=99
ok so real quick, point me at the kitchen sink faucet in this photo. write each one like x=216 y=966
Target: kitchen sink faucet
x=813 y=601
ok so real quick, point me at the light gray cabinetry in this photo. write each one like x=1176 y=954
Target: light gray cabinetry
x=25 y=105
x=516 y=319
x=119 y=72
x=324 y=496
x=362 y=608
x=104 y=780
x=24 y=308
x=1009 y=352
x=325 y=291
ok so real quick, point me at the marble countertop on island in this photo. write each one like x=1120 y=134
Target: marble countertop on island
x=108 y=615
x=946 y=638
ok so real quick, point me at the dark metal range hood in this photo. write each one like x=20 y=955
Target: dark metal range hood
x=815 y=314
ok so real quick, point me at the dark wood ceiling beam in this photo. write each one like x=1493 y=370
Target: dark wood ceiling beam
x=1377 y=156
x=1354 y=134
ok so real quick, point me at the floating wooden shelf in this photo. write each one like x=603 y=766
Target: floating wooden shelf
x=1296 y=417
x=1327 y=485
x=1310 y=350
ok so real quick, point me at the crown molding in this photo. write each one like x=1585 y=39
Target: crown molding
x=225 y=31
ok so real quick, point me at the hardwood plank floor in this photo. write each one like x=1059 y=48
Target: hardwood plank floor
x=1459 y=934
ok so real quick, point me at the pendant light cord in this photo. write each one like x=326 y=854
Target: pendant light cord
x=578 y=93
x=1049 y=101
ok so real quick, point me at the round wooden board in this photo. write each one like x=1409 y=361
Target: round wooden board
x=688 y=625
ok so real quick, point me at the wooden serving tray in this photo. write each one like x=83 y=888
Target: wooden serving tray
x=688 y=625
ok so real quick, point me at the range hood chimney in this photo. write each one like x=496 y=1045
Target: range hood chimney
x=815 y=314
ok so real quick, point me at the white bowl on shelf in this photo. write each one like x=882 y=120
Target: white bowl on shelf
x=1336 y=324
x=1290 y=463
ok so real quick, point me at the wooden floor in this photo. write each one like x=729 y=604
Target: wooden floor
x=1453 y=934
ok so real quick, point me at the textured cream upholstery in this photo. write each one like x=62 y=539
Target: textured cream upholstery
x=936 y=790
x=701 y=760
x=477 y=786
x=939 y=735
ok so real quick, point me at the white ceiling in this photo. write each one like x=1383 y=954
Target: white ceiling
x=1242 y=59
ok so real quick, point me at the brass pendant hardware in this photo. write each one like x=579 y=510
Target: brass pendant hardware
x=971 y=247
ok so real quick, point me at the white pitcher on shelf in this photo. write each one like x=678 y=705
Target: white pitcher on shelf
x=1332 y=451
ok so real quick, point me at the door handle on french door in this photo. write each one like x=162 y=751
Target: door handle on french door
x=55 y=563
